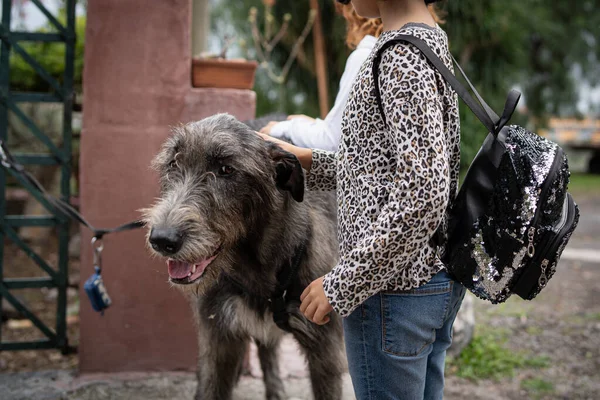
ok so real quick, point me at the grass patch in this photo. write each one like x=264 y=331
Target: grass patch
x=537 y=387
x=534 y=330
x=583 y=318
x=488 y=357
x=514 y=307
x=592 y=316
x=584 y=183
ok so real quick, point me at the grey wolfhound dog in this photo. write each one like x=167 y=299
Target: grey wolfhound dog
x=231 y=218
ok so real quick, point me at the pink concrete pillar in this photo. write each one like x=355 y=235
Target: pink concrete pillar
x=137 y=83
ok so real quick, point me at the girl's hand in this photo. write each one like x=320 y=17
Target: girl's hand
x=315 y=305
x=304 y=155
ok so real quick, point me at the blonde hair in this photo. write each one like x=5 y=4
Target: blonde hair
x=358 y=27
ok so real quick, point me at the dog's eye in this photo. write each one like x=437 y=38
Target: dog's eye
x=226 y=170
x=173 y=164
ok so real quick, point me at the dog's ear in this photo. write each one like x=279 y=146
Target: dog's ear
x=288 y=172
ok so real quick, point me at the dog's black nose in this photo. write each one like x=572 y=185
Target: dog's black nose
x=165 y=240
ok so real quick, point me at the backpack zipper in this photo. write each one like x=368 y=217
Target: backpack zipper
x=537 y=268
x=557 y=231
x=558 y=157
x=556 y=237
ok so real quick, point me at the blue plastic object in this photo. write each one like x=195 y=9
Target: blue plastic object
x=96 y=291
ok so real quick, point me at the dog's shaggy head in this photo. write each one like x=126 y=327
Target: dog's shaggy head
x=219 y=183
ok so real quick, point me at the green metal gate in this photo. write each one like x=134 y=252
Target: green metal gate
x=55 y=337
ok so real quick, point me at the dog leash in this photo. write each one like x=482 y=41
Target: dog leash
x=94 y=286
x=285 y=277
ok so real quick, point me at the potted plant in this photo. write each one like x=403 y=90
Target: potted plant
x=216 y=71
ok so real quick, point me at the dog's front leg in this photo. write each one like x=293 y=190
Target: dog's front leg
x=219 y=364
x=324 y=350
x=269 y=362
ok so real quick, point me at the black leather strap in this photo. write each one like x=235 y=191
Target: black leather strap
x=286 y=276
x=481 y=110
x=493 y=116
x=509 y=108
x=125 y=227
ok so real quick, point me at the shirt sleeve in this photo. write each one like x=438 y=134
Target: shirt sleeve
x=418 y=200
x=281 y=130
x=322 y=174
x=313 y=134
x=324 y=134
x=327 y=132
x=306 y=133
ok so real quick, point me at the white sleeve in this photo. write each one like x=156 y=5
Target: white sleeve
x=325 y=134
x=281 y=130
x=312 y=134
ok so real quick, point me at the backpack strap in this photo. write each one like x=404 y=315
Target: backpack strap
x=481 y=109
x=493 y=116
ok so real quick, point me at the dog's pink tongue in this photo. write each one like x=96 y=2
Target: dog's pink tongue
x=178 y=269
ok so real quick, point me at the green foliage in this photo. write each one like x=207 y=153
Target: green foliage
x=540 y=47
x=51 y=56
x=301 y=95
x=533 y=45
x=530 y=43
x=536 y=387
x=488 y=357
x=584 y=183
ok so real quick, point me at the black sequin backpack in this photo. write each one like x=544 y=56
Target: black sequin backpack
x=512 y=217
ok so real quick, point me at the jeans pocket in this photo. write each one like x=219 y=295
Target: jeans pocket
x=410 y=318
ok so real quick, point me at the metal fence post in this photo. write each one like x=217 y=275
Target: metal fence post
x=60 y=92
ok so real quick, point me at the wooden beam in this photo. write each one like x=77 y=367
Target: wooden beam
x=321 y=67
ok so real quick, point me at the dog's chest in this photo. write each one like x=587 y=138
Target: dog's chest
x=244 y=321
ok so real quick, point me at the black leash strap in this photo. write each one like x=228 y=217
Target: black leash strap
x=9 y=162
x=285 y=277
x=94 y=286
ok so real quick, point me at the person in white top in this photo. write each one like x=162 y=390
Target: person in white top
x=304 y=131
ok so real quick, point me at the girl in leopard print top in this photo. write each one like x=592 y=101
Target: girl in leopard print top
x=395 y=175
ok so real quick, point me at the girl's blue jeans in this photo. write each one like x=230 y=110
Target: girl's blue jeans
x=396 y=341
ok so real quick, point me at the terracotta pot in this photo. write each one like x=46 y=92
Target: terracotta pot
x=223 y=73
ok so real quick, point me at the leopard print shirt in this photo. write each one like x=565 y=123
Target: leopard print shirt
x=394 y=181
